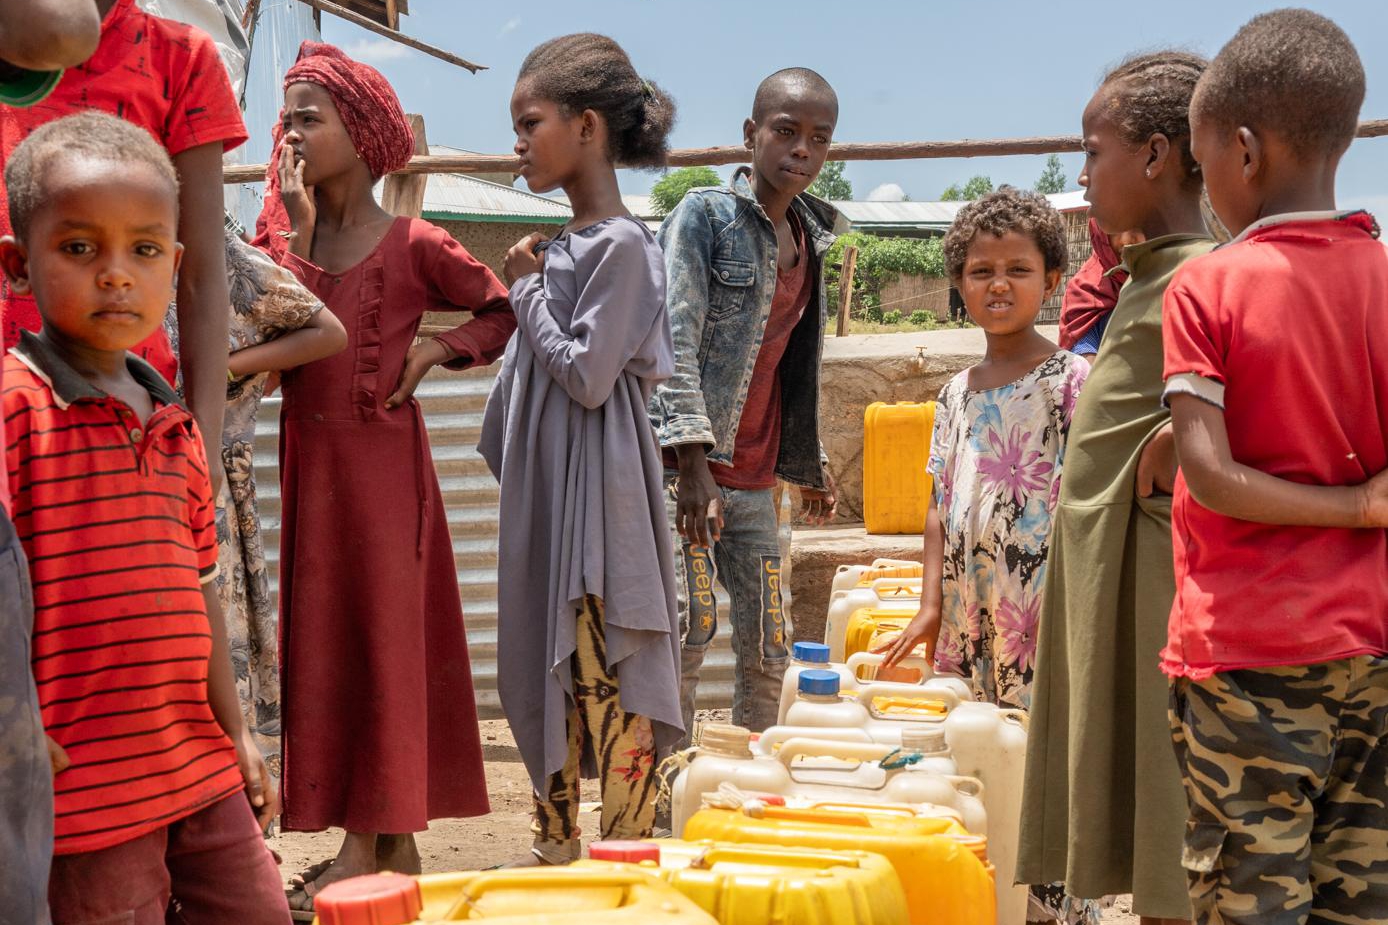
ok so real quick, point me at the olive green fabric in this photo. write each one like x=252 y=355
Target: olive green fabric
x=1104 y=809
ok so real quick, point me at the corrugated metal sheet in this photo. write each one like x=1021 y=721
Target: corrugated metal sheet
x=453 y=404
x=460 y=197
x=920 y=214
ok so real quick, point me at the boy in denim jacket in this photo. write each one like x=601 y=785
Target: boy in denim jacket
x=747 y=309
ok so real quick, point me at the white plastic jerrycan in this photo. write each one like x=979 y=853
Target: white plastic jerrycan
x=849 y=576
x=882 y=594
x=816 y=769
x=860 y=669
x=819 y=704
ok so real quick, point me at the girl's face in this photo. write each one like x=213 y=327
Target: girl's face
x=1004 y=282
x=549 y=143
x=315 y=131
x=1114 y=173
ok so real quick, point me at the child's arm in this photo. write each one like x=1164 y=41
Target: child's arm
x=612 y=317
x=226 y=707
x=458 y=281
x=1223 y=485
x=202 y=293
x=925 y=626
x=321 y=336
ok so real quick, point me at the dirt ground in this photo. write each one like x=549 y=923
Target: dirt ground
x=504 y=834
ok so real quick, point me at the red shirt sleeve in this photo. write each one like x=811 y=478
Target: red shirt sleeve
x=1194 y=333
x=459 y=281
x=203 y=108
x=202 y=511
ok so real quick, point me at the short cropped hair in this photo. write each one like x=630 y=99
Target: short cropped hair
x=1007 y=209
x=1291 y=72
x=799 y=81
x=93 y=135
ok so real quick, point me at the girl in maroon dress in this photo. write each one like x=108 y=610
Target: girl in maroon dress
x=379 y=721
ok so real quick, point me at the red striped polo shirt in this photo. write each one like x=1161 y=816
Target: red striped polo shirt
x=117 y=521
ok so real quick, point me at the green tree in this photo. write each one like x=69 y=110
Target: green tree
x=670 y=189
x=1052 y=179
x=831 y=183
x=975 y=187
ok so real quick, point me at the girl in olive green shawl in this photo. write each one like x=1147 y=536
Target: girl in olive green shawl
x=1104 y=807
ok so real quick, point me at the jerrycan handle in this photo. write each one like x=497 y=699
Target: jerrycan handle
x=561 y=879
x=1020 y=717
x=889 y=588
x=765 y=855
x=881 y=809
x=898 y=690
x=969 y=786
x=874 y=659
x=787 y=814
x=804 y=747
x=777 y=736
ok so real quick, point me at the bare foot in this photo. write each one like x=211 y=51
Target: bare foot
x=529 y=859
x=398 y=854
x=356 y=857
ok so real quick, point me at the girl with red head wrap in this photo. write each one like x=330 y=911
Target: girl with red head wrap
x=380 y=727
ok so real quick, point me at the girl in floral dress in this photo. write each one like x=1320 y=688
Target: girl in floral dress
x=996 y=455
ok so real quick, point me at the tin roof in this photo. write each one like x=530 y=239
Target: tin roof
x=461 y=197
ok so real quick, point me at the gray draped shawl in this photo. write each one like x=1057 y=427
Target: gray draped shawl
x=567 y=434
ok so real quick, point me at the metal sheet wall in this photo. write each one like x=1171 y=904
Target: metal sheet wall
x=453 y=404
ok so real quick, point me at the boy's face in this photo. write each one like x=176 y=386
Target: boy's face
x=1004 y=281
x=1223 y=160
x=100 y=255
x=790 y=143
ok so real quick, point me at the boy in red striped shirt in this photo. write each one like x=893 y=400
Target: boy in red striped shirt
x=113 y=505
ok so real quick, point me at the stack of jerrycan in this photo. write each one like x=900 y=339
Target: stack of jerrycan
x=847 y=577
x=860 y=668
x=896 y=447
x=943 y=869
x=747 y=884
x=819 y=772
x=892 y=596
x=987 y=742
x=533 y=896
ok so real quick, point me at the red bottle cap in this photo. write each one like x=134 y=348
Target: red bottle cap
x=376 y=899
x=630 y=852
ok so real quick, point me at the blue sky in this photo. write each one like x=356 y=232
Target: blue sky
x=904 y=69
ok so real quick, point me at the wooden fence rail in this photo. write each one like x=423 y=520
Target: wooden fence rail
x=736 y=154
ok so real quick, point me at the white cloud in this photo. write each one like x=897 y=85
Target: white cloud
x=377 y=51
x=887 y=192
x=511 y=26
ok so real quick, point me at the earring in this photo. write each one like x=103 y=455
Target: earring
x=1148 y=171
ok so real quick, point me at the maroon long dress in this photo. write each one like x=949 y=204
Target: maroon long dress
x=380 y=724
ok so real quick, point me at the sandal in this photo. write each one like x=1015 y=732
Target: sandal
x=310 y=873
x=301 y=902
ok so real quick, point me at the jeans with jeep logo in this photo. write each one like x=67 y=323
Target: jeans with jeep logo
x=746 y=561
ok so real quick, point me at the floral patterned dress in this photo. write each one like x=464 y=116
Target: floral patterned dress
x=266 y=301
x=996 y=457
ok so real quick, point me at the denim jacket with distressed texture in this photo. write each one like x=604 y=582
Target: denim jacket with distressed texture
x=720 y=263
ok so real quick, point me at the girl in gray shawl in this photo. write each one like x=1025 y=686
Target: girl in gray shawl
x=588 y=651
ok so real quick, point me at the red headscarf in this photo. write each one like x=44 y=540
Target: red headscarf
x=1090 y=295
x=369 y=109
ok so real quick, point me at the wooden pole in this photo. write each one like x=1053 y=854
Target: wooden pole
x=850 y=264
x=403 y=193
x=737 y=154
x=323 y=6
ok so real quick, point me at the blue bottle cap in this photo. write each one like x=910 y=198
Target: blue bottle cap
x=816 y=652
x=816 y=681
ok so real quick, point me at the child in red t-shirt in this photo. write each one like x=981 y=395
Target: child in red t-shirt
x=1278 y=385
x=167 y=78
x=113 y=505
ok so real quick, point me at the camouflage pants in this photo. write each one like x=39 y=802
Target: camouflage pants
x=621 y=745
x=1286 y=772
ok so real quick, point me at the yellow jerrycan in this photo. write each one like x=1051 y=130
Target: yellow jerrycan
x=756 y=885
x=944 y=880
x=896 y=446
x=530 y=896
